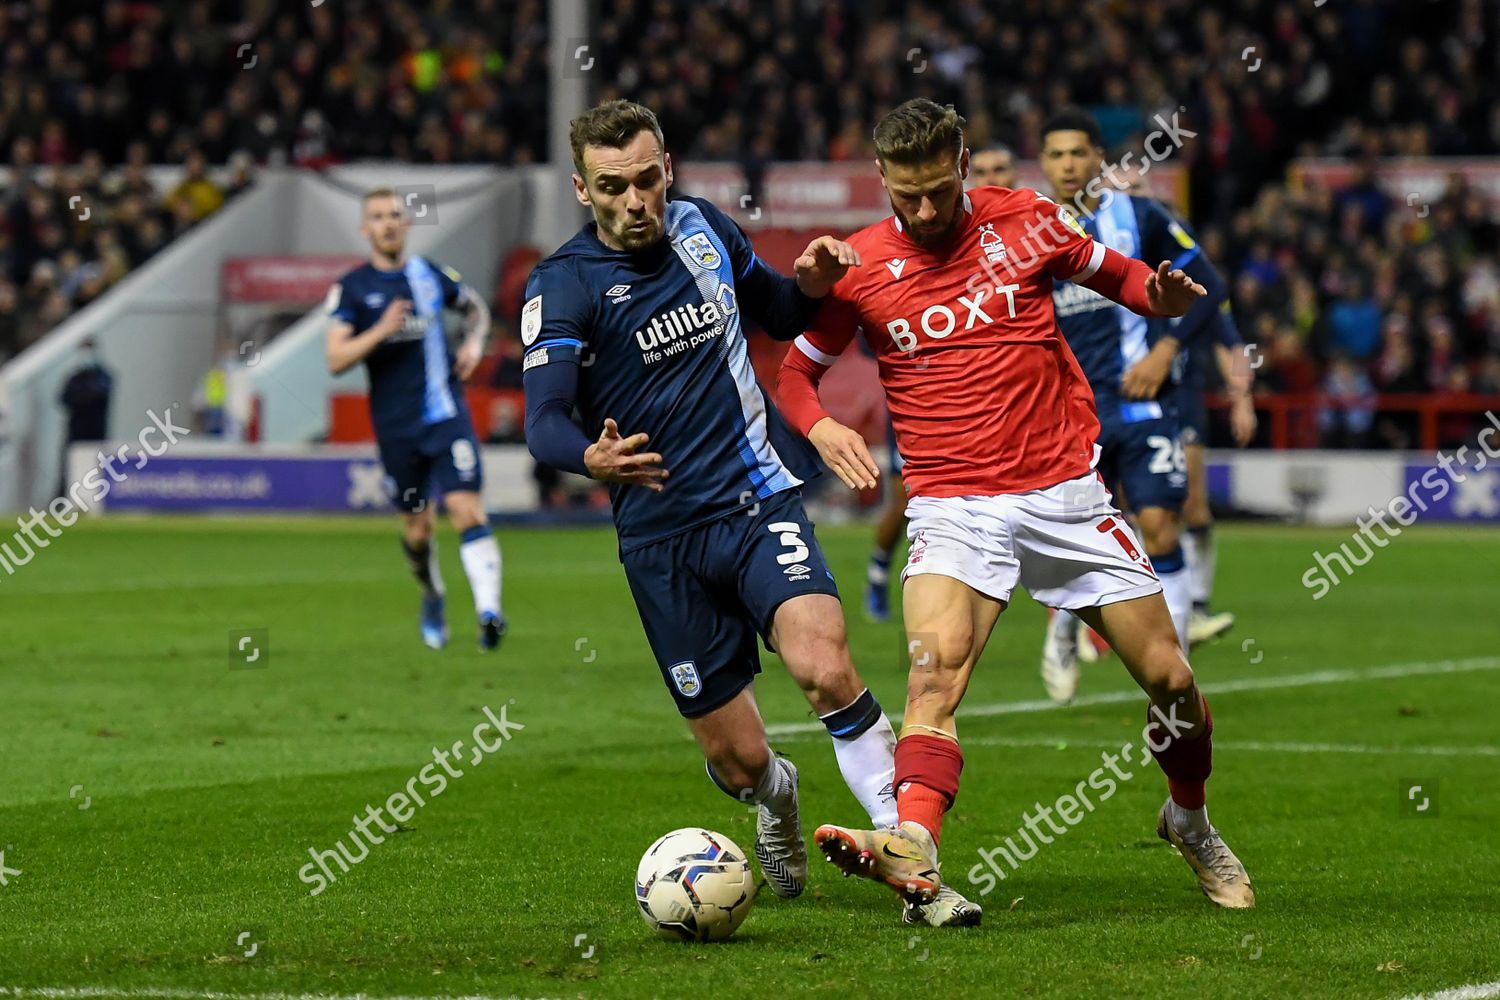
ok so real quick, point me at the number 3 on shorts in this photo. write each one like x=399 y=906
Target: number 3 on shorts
x=791 y=539
x=1168 y=457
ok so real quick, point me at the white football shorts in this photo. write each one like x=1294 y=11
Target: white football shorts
x=1068 y=545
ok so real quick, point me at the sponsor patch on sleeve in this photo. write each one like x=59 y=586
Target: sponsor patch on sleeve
x=335 y=292
x=453 y=275
x=535 y=359
x=1180 y=235
x=531 y=320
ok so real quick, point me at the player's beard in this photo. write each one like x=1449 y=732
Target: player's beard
x=930 y=236
x=391 y=246
x=632 y=239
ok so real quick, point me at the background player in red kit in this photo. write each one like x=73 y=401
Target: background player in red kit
x=997 y=425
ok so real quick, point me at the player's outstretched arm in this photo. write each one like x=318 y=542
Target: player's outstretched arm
x=844 y=451
x=554 y=439
x=476 y=327
x=785 y=306
x=345 y=351
x=615 y=459
x=1172 y=291
x=822 y=264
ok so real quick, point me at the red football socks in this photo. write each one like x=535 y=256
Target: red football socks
x=1187 y=763
x=927 y=770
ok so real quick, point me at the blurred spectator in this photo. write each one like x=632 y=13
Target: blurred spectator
x=195 y=196
x=86 y=395
x=1354 y=322
x=1349 y=411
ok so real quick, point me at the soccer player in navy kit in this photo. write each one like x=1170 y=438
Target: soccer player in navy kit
x=637 y=323
x=388 y=313
x=1226 y=351
x=1130 y=362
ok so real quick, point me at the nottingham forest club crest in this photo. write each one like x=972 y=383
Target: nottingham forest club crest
x=701 y=251
x=991 y=243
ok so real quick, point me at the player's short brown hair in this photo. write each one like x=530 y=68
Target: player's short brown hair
x=373 y=193
x=918 y=131
x=612 y=124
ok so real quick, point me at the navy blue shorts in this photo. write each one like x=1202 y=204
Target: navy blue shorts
x=1143 y=460
x=1192 y=411
x=704 y=595
x=446 y=454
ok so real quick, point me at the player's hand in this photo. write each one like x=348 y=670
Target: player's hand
x=394 y=318
x=1143 y=379
x=844 y=452
x=1242 y=419
x=1171 y=292
x=822 y=264
x=469 y=356
x=613 y=459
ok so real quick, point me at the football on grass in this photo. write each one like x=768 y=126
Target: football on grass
x=694 y=885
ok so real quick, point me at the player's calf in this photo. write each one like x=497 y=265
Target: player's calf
x=808 y=632
x=743 y=766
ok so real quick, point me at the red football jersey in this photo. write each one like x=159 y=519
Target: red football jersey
x=984 y=393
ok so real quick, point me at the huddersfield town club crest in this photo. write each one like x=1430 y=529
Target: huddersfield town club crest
x=701 y=251
x=685 y=676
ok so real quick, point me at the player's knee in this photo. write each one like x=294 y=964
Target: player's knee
x=1158 y=530
x=416 y=529
x=465 y=510
x=1169 y=677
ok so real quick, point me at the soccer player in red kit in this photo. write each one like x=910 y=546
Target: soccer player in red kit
x=997 y=425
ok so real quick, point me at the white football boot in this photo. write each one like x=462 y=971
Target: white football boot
x=778 y=842
x=1060 y=659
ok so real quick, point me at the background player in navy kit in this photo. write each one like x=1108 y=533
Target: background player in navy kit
x=1129 y=361
x=388 y=313
x=1224 y=351
x=637 y=323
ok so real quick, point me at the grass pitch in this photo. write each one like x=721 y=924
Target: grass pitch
x=160 y=795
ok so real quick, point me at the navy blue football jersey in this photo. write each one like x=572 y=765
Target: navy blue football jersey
x=1108 y=338
x=660 y=340
x=412 y=384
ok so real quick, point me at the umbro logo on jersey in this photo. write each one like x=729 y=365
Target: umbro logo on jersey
x=896 y=266
x=618 y=294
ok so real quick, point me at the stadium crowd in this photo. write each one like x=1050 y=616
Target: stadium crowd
x=91 y=94
x=1349 y=292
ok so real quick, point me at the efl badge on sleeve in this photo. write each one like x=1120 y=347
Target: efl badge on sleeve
x=531 y=321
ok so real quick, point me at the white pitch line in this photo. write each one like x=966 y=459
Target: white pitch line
x=1063 y=742
x=171 y=993
x=1474 y=991
x=1386 y=672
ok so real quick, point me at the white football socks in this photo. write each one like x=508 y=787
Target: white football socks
x=868 y=764
x=1190 y=823
x=1198 y=546
x=481 y=558
x=865 y=746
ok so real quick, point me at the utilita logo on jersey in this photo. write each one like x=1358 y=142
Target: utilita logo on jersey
x=686 y=327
